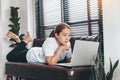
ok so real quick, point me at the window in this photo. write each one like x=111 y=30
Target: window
x=82 y=15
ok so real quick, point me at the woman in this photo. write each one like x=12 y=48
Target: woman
x=53 y=50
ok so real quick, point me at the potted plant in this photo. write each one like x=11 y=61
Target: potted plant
x=99 y=70
x=15 y=25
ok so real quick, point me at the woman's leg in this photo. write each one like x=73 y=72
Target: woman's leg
x=18 y=54
x=17 y=39
x=13 y=36
x=28 y=38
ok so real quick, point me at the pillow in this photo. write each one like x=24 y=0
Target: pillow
x=38 y=42
x=86 y=38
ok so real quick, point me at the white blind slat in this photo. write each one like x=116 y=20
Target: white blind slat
x=77 y=10
x=52 y=12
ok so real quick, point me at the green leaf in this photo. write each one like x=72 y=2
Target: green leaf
x=99 y=68
x=109 y=75
x=21 y=36
x=14 y=19
x=10 y=25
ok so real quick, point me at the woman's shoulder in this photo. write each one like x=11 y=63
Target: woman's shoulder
x=50 y=39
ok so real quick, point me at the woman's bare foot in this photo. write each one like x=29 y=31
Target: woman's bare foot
x=28 y=38
x=13 y=36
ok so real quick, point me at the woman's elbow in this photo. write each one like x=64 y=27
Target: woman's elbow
x=51 y=63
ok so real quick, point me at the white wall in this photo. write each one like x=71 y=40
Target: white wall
x=27 y=24
x=111 y=24
x=3 y=28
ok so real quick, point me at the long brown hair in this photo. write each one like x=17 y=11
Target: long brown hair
x=59 y=29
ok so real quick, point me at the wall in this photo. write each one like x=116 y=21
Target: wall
x=27 y=24
x=111 y=24
x=3 y=27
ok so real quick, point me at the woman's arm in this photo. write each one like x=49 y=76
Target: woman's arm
x=52 y=60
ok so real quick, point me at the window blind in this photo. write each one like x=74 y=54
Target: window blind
x=82 y=15
x=77 y=10
x=94 y=13
x=52 y=14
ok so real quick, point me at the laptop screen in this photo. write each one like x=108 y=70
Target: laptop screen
x=84 y=52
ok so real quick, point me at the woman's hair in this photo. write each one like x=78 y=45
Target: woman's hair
x=59 y=29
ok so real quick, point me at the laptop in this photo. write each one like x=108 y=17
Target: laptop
x=84 y=54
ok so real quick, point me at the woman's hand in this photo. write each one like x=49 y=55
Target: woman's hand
x=65 y=47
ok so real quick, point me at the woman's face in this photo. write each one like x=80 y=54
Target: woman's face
x=63 y=37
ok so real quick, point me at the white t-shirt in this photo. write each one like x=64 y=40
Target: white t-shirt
x=37 y=54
